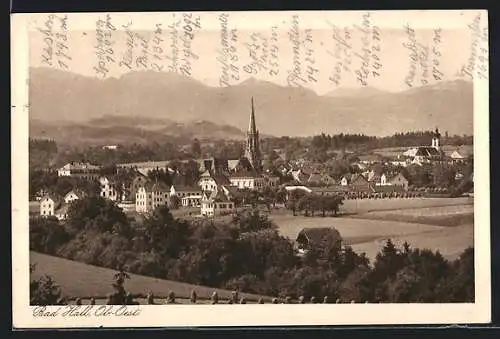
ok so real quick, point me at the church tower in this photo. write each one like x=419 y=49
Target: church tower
x=252 y=147
x=435 y=139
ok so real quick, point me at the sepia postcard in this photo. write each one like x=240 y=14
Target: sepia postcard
x=250 y=168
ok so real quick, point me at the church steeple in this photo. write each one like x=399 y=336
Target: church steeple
x=252 y=127
x=252 y=147
x=436 y=138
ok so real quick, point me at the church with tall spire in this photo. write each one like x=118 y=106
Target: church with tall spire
x=252 y=146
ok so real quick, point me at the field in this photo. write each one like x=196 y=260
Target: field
x=85 y=281
x=369 y=205
x=442 y=224
x=453 y=215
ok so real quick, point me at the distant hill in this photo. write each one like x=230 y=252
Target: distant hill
x=57 y=95
x=126 y=130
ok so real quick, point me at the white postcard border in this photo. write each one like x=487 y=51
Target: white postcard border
x=240 y=315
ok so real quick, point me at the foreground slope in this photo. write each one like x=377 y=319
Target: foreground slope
x=81 y=280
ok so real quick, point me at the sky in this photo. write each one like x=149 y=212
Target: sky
x=308 y=47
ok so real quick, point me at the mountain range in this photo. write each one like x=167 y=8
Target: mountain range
x=157 y=104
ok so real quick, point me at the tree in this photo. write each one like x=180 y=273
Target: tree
x=264 y=249
x=443 y=175
x=41 y=180
x=191 y=173
x=252 y=221
x=98 y=214
x=161 y=175
x=293 y=200
x=459 y=284
x=119 y=297
x=174 y=202
x=47 y=235
x=196 y=148
x=43 y=291
x=165 y=235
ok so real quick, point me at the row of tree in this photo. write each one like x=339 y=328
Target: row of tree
x=356 y=141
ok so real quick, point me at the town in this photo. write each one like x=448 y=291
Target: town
x=153 y=214
x=218 y=185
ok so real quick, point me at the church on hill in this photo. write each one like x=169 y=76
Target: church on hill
x=252 y=146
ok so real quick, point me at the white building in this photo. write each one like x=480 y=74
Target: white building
x=247 y=180
x=50 y=207
x=344 y=181
x=209 y=181
x=216 y=204
x=80 y=170
x=150 y=196
x=108 y=189
x=425 y=154
x=72 y=196
x=47 y=206
x=184 y=191
x=191 y=200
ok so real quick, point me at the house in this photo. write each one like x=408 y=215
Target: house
x=61 y=212
x=425 y=154
x=377 y=179
x=138 y=181
x=51 y=207
x=359 y=183
x=83 y=170
x=248 y=180
x=383 y=180
x=399 y=180
x=209 y=181
x=461 y=154
x=108 y=189
x=191 y=200
x=345 y=180
x=309 y=238
x=190 y=196
x=48 y=206
x=216 y=203
x=73 y=195
x=150 y=196
x=232 y=164
x=422 y=154
x=183 y=191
